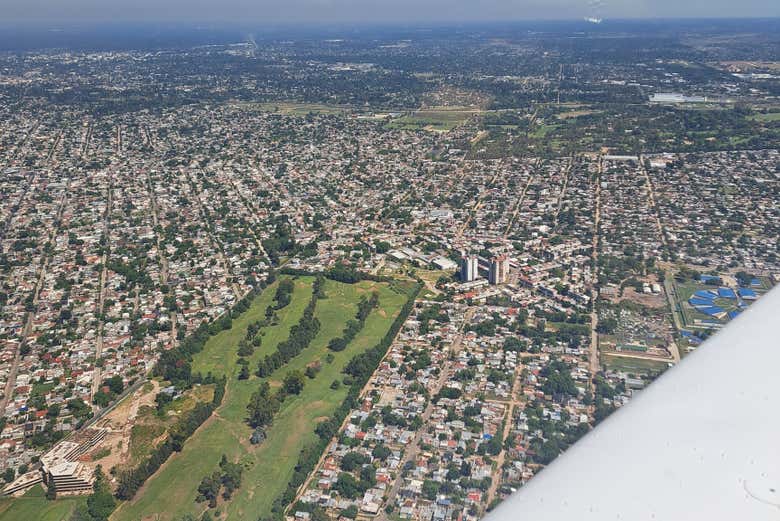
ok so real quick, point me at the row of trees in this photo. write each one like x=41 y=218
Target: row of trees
x=284 y=292
x=348 y=274
x=355 y=325
x=359 y=370
x=301 y=335
x=174 y=365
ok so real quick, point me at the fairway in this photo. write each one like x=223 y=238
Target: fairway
x=34 y=506
x=442 y=119
x=295 y=108
x=268 y=466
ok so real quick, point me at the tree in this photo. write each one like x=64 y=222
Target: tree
x=208 y=490
x=162 y=399
x=101 y=399
x=311 y=371
x=294 y=382
x=744 y=278
x=367 y=477
x=353 y=460
x=430 y=489
x=381 y=452
x=101 y=503
x=115 y=384
x=607 y=326
x=347 y=486
x=515 y=344
x=231 y=476
x=80 y=513
x=9 y=475
x=262 y=406
x=244 y=373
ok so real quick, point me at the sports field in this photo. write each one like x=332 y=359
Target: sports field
x=268 y=466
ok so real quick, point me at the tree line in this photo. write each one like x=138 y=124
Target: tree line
x=175 y=365
x=131 y=480
x=301 y=335
x=358 y=371
x=354 y=326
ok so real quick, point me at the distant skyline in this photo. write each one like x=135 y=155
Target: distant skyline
x=370 y=11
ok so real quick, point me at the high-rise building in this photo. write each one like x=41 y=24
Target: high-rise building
x=469 y=268
x=499 y=270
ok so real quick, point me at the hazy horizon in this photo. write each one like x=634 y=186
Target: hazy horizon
x=377 y=11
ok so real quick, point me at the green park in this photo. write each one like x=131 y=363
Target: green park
x=268 y=466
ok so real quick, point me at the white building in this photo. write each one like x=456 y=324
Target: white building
x=469 y=268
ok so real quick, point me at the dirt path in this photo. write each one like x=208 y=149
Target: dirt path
x=513 y=402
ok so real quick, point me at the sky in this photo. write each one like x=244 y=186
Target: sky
x=372 y=11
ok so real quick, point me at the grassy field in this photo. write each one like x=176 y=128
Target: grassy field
x=766 y=116
x=34 y=506
x=295 y=109
x=267 y=467
x=633 y=365
x=436 y=120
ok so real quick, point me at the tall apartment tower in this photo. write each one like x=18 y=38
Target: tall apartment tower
x=499 y=270
x=469 y=268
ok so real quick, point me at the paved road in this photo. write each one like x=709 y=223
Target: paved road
x=562 y=194
x=160 y=252
x=651 y=200
x=215 y=242
x=519 y=203
x=253 y=214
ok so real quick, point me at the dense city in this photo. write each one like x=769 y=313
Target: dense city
x=526 y=235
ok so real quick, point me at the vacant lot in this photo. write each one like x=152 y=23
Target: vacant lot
x=267 y=467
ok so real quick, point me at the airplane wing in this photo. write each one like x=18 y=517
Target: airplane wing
x=701 y=442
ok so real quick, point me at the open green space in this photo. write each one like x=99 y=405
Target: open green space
x=34 y=506
x=295 y=108
x=633 y=365
x=766 y=116
x=438 y=120
x=268 y=466
x=688 y=313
